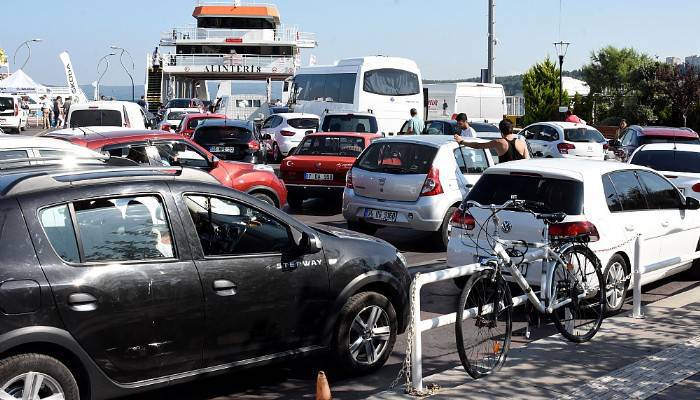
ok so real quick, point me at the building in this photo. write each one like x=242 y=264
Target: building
x=674 y=61
x=693 y=61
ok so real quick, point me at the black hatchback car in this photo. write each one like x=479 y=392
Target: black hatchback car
x=231 y=140
x=119 y=280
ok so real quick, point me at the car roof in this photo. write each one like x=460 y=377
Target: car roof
x=563 y=125
x=205 y=115
x=665 y=131
x=432 y=140
x=297 y=115
x=100 y=104
x=363 y=114
x=563 y=167
x=241 y=123
x=91 y=136
x=22 y=142
x=358 y=134
x=670 y=147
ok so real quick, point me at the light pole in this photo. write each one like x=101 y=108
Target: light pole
x=123 y=50
x=561 y=52
x=104 y=58
x=25 y=43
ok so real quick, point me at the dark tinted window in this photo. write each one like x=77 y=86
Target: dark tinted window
x=668 y=160
x=303 y=123
x=548 y=134
x=335 y=88
x=470 y=161
x=176 y=115
x=137 y=152
x=397 y=158
x=583 y=135
x=531 y=131
x=6 y=155
x=234 y=23
x=611 y=196
x=483 y=127
x=661 y=194
x=58 y=226
x=331 y=145
x=391 y=82
x=80 y=118
x=192 y=123
x=177 y=153
x=7 y=103
x=350 y=123
x=558 y=195
x=178 y=103
x=667 y=139
x=631 y=194
x=437 y=128
x=628 y=137
x=218 y=134
x=226 y=227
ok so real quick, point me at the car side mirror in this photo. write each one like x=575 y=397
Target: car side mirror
x=691 y=203
x=266 y=136
x=214 y=163
x=305 y=243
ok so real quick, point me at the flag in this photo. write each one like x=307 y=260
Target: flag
x=3 y=58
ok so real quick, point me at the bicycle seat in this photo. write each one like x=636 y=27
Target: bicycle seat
x=552 y=218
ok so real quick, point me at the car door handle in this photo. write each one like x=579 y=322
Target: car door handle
x=224 y=287
x=629 y=228
x=82 y=302
x=665 y=224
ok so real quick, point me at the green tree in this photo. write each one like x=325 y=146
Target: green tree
x=541 y=91
x=611 y=70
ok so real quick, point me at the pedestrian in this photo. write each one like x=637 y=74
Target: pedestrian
x=66 y=108
x=57 y=110
x=571 y=117
x=620 y=128
x=465 y=130
x=444 y=107
x=142 y=103
x=46 y=112
x=509 y=147
x=415 y=124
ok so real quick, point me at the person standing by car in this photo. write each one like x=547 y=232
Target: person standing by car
x=571 y=117
x=621 y=128
x=66 y=107
x=142 y=103
x=57 y=110
x=46 y=111
x=465 y=130
x=415 y=124
x=509 y=147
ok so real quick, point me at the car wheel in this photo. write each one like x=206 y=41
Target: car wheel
x=264 y=198
x=365 y=333
x=276 y=153
x=442 y=236
x=362 y=227
x=295 y=202
x=616 y=282
x=694 y=271
x=45 y=376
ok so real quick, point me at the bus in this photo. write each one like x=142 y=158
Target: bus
x=388 y=87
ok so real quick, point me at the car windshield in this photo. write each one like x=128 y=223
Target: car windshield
x=583 y=135
x=397 y=158
x=6 y=103
x=345 y=146
x=668 y=139
x=350 y=123
x=668 y=160
x=179 y=103
x=303 y=123
x=176 y=115
x=95 y=117
x=558 y=195
x=217 y=134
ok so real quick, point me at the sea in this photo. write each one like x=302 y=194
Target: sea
x=237 y=87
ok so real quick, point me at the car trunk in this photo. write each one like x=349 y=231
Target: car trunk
x=588 y=142
x=685 y=181
x=226 y=142
x=322 y=170
x=393 y=170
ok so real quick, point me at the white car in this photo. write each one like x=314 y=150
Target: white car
x=614 y=202
x=19 y=151
x=565 y=140
x=12 y=117
x=414 y=182
x=107 y=113
x=679 y=162
x=286 y=131
x=172 y=118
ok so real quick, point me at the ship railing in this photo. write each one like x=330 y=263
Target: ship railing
x=233 y=3
x=281 y=63
x=283 y=33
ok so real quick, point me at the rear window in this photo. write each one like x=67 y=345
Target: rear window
x=391 y=82
x=668 y=160
x=179 y=103
x=345 y=146
x=350 y=123
x=558 y=195
x=95 y=117
x=397 y=158
x=303 y=123
x=482 y=127
x=668 y=139
x=218 y=134
x=176 y=115
x=583 y=135
x=7 y=103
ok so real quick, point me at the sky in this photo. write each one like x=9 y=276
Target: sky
x=447 y=38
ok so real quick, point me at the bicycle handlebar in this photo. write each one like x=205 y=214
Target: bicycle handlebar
x=522 y=205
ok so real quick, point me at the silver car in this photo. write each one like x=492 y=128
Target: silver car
x=414 y=182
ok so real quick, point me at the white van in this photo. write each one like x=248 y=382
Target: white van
x=388 y=87
x=12 y=117
x=482 y=102
x=107 y=113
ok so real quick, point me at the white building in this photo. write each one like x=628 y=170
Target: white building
x=674 y=61
x=693 y=61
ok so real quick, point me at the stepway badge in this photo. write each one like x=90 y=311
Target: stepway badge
x=296 y=264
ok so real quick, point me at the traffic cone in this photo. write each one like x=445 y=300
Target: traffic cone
x=323 y=391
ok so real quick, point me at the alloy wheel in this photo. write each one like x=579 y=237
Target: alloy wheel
x=32 y=386
x=615 y=286
x=369 y=335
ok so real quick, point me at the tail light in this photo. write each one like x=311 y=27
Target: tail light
x=462 y=220
x=254 y=145
x=287 y=133
x=165 y=127
x=605 y=146
x=16 y=109
x=432 y=185
x=573 y=229
x=348 y=180
x=565 y=147
x=696 y=188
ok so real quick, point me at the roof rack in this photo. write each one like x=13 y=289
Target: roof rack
x=8 y=163
x=176 y=171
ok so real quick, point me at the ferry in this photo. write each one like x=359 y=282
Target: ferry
x=229 y=41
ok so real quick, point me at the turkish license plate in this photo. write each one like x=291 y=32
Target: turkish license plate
x=313 y=176
x=380 y=215
x=223 y=149
x=3 y=120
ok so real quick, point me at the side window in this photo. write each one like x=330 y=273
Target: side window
x=404 y=127
x=7 y=155
x=660 y=193
x=631 y=194
x=628 y=137
x=135 y=152
x=58 y=226
x=229 y=228
x=268 y=122
x=531 y=132
x=611 y=196
x=434 y=128
x=171 y=154
x=548 y=134
x=471 y=161
x=277 y=121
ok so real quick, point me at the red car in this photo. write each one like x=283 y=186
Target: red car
x=190 y=122
x=635 y=136
x=158 y=148
x=320 y=163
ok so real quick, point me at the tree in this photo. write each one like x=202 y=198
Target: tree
x=611 y=70
x=682 y=86
x=541 y=90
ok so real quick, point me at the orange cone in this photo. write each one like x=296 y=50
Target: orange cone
x=323 y=391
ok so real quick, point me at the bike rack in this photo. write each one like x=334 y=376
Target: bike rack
x=421 y=326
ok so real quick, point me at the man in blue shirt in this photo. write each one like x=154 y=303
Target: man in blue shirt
x=415 y=124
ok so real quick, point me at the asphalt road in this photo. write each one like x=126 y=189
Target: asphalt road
x=296 y=379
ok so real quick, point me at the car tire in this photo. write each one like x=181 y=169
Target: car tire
x=295 y=202
x=265 y=198
x=353 y=342
x=276 y=153
x=615 y=274
x=363 y=227
x=442 y=236
x=56 y=377
x=693 y=272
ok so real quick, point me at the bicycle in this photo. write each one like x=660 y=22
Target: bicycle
x=570 y=290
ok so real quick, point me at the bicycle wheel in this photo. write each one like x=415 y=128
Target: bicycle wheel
x=483 y=338
x=578 y=282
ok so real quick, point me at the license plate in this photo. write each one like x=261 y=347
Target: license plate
x=313 y=176
x=223 y=149
x=380 y=215
x=3 y=120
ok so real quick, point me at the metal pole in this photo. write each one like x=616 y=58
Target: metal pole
x=561 y=90
x=637 y=288
x=492 y=76
x=131 y=77
x=416 y=351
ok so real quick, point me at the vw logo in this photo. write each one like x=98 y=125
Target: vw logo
x=382 y=181
x=506 y=226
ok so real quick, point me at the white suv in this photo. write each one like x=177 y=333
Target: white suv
x=12 y=117
x=614 y=202
x=565 y=140
x=414 y=182
x=286 y=131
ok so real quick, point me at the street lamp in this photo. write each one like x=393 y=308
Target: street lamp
x=561 y=52
x=123 y=50
x=25 y=43
x=104 y=58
